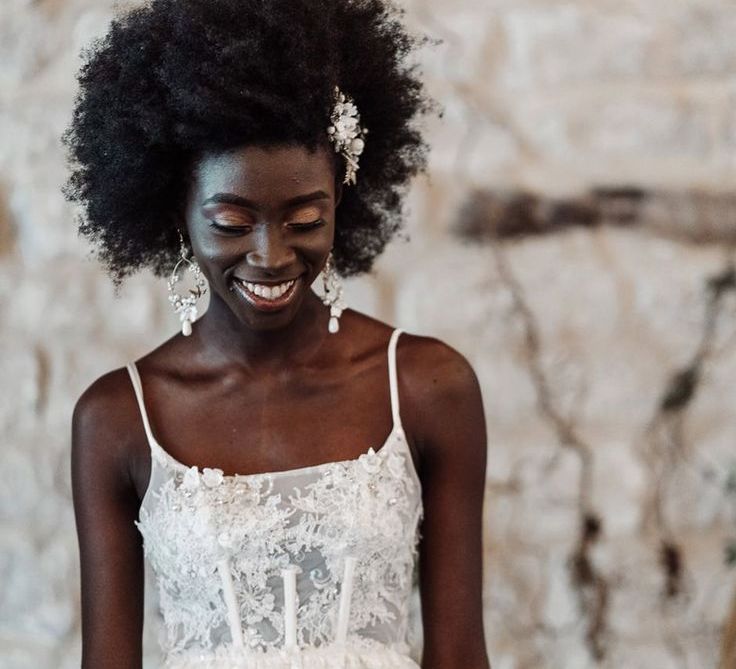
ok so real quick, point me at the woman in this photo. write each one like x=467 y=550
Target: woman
x=261 y=145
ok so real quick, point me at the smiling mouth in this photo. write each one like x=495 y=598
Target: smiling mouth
x=267 y=298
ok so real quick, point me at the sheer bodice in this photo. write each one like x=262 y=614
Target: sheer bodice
x=308 y=567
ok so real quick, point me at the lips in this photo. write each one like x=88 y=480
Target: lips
x=262 y=303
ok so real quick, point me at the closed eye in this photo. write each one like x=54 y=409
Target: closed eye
x=307 y=226
x=237 y=229
x=230 y=229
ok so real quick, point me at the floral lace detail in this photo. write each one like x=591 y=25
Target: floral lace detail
x=368 y=508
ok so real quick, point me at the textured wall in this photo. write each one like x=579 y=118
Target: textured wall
x=605 y=351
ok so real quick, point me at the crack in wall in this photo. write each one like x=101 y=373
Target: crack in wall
x=665 y=450
x=590 y=584
x=665 y=446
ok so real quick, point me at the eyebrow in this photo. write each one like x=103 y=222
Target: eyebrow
x=237 y=200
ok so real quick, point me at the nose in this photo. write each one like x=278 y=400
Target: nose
x=270 y=253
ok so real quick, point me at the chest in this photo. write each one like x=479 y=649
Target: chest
x=244 y=429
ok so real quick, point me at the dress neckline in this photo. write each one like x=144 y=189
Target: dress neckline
x=396 y=433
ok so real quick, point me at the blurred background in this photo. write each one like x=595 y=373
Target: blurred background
x=574 y=239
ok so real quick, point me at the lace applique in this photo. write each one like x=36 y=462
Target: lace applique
x=368 y=508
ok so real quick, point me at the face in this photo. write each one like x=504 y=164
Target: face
x=261 y=221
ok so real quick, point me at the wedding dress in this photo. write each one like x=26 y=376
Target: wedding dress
x=304 y=568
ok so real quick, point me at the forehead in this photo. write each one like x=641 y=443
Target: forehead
x=265 y=172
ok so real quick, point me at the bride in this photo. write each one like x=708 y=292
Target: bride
x=285 y=463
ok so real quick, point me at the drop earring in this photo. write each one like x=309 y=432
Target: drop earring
x=186 y=307
x=332 y=287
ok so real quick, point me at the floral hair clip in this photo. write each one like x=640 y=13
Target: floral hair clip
x=346 y=133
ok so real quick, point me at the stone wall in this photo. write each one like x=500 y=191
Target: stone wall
x=605 y=349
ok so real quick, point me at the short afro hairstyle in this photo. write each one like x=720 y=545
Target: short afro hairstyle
x=172 y=80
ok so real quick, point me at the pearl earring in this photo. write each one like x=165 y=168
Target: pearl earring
x=186 y=307
x=332 y=287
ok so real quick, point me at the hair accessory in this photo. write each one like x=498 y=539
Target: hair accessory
x=186 y=307
x=332 y=287
x=346 y=133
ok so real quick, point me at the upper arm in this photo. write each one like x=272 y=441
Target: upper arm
x=450 y=434
x=110 y=548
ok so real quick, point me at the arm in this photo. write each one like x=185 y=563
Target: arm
x=451 y=438
x=110 y=548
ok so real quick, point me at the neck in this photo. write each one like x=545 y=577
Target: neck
x=225 y=340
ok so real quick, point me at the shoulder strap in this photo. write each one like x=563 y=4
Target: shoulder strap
x=392 y=380
x=138 y=387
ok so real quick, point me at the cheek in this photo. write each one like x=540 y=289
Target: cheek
x=213 y=251
x=320 y=240
x=215 y=255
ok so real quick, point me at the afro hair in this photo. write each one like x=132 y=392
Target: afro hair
x=172 y=80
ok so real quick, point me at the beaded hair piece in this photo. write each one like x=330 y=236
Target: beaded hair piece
x=346 y=134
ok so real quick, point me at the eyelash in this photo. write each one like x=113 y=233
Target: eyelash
x=235 y=229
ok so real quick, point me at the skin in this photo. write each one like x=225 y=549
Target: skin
x=251 y=392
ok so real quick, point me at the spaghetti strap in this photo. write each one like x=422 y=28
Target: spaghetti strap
x=393 y=383
x=138 y=387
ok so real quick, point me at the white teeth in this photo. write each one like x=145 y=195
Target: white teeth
x=269 y=292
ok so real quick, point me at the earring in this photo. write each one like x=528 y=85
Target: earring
x=332 y=287
x=186 y=307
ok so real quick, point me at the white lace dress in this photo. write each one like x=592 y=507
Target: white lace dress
x=304 y=568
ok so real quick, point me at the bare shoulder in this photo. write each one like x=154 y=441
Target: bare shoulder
x=433 y=369
x=427 y=365
x=102 y=420
x=103 y=401
x=108 y=406
x=441 y=401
